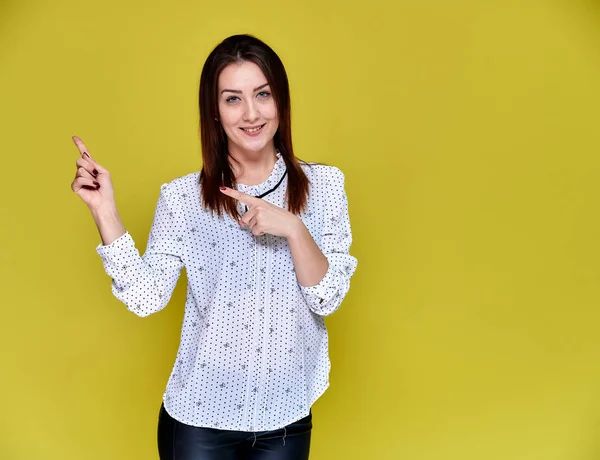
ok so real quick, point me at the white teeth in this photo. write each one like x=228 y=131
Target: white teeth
x=252 y=130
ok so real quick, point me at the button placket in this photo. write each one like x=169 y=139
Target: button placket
x=258 y=390
x=254 y=336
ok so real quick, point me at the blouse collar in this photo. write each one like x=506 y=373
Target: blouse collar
x=275 y=176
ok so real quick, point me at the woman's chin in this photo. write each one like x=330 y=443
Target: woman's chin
x=256 y=146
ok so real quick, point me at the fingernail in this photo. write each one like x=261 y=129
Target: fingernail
x=95 y=172
x=223 y=188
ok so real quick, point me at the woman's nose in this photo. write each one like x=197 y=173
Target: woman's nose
x=251 y=112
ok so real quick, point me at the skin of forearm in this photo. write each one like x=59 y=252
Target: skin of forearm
x=109 y=224
x=310 y=263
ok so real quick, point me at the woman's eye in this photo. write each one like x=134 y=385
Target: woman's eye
x=263 y=94
x=231 y=98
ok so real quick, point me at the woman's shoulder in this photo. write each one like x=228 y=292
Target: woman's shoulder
x=323 y=178
x=186 y=184
x=321 y=171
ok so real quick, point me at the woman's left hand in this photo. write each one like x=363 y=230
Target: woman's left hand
x=263 y=217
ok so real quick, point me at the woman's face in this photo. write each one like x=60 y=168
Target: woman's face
x=247 y=110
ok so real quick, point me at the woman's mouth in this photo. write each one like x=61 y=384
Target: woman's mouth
x=253 y=131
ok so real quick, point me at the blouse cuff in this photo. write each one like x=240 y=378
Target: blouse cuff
x=119 y=256
x=117 y=246
x=323 y=291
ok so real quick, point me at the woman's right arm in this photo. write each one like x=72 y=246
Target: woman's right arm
x=143 y=283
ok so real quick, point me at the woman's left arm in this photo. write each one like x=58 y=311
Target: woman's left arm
x=323 y=271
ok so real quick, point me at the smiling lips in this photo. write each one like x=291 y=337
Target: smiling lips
x=253 y=131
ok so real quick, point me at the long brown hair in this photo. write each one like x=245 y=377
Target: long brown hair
x=216 y=170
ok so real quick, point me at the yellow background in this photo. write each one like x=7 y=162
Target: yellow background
x=468 y=133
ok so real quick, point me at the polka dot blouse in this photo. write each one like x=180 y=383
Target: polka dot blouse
x=253 y=353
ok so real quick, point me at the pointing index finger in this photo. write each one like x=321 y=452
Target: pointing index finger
x=242 y=197
x=80 y=146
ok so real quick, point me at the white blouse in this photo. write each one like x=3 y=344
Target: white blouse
x=253 y=353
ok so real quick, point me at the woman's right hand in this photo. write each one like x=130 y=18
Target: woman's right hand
x=93 y=185
x=92 y=182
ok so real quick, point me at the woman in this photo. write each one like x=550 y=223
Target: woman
x=265 y=240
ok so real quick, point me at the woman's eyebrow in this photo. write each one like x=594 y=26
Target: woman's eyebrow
x=237 y=91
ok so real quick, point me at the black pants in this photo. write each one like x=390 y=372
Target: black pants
x=178 y=441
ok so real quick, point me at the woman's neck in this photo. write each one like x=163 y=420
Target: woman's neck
x=253 y=168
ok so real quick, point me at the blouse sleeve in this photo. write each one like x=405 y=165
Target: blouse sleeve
x=325 y=297
x=145 y=284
